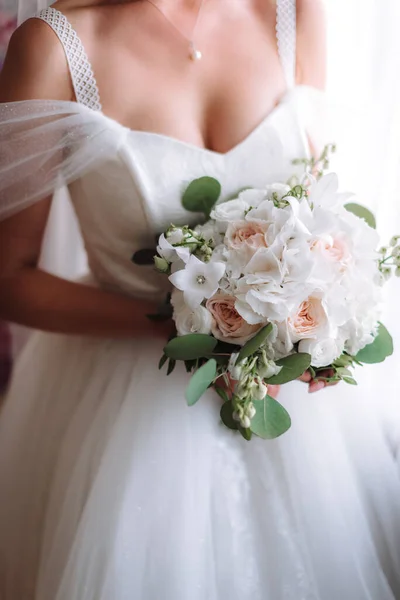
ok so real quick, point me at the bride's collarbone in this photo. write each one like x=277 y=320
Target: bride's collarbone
x=147 y=83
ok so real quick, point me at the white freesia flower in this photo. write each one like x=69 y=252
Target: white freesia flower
x=324 y=192
x=277 y=189
x=170 y=253
x=198 y=280
x=175 y=235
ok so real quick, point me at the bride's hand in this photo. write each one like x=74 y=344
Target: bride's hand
x=316 y=386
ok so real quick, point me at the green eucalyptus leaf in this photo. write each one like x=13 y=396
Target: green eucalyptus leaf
x=344 y=372
x=190 y=347
x=271 y=419
x=362 y=212
x=226 y=415
x=222 y=393
x=162 y=362
x=200 y=381
x=343 y=361
x=350 y=380
x=201 y=195
x=171 y=366
x=379 y=349
x=255 y=342
x=293 y=366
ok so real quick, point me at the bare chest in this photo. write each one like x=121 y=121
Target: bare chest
x=147 y=81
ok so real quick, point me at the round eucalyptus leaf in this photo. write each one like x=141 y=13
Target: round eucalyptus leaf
x=201 y=195
x=200 y=381
x=271 y=419
x=255 y=342
x=379 y=349
x=293 y=366
x=226 y=415
x=190 y=347
x=362 y=212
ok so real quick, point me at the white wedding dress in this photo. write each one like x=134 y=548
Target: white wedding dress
x=113 y=489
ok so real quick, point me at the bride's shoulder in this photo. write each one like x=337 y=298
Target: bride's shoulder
x=311 y=42
x=34 y=66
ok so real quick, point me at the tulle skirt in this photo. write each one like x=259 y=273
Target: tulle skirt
x=113 y=489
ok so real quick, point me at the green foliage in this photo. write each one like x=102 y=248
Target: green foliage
x=201 y=195
x=255 y=342
x=293 y=366
x=190 y=347
x=171 y=366
x=350 y=380
x=362 y=212
x=200 y=381
x=379 y=349
x=162 y=362
x=226 y=415
x=271 y=419
x=222 y=393
x=245 y=433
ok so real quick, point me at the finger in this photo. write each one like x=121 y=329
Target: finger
x=326 y=373
x=316 y=386
x=306 y=377
x=273 y=390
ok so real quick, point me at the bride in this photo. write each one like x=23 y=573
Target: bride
x=111 y=488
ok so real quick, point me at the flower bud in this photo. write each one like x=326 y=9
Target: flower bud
x=397 y=272
x=260 y=390
x=161 y=264
x=396 y=252
x=242 y=390
x=250 y=411
x=394 y=240
x=236 y=372
x=245 y=422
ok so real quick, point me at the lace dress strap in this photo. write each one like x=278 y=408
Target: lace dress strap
x=286 y=38
x=83 y=80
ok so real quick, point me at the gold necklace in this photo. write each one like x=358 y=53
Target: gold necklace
x=194 y=53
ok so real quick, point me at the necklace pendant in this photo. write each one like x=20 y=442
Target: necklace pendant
x=194 y=54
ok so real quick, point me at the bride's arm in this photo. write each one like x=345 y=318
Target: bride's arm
x=35 y=68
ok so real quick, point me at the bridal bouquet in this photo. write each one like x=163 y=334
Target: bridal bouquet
x=276 y=281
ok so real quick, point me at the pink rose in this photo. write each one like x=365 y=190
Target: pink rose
x=246 y=235
x=334 y=248
x=228 y=325
x=308 y=320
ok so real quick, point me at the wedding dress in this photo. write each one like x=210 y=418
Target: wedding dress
x=111 y=487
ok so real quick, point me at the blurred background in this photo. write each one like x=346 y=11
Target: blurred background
x=363 y=119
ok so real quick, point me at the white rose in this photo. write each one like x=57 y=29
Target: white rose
x=198 y=320
x=323 y=352
x=228 y=212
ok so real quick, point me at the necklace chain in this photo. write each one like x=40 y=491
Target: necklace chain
x=194 y=53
